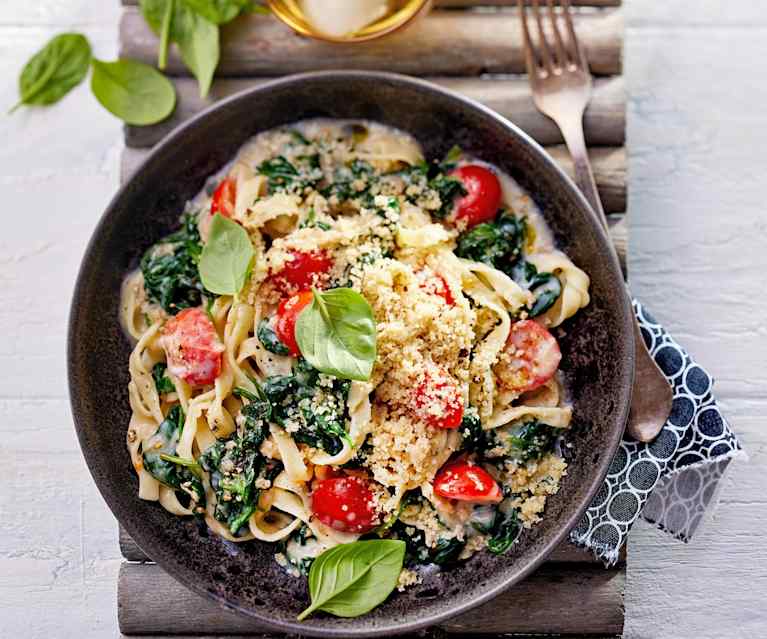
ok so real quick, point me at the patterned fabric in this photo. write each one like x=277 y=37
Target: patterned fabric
x=672 y=481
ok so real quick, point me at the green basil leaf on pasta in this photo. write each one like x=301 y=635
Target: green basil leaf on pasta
x=336 y=334
x=226 y=257
x=133 y=91
x=55 y=70
x=352 y=579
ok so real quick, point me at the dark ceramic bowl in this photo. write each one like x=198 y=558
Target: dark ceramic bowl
x=597 y=344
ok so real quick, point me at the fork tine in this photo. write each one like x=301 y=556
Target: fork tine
x=576 y=51
x=543 y=44
x=530 y=60
x=562 y=58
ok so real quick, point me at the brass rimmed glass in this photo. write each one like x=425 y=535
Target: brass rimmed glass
x=405 y=12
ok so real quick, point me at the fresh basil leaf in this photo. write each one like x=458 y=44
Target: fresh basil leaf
x=198 y=42
x=134 y=92
x=165 y=29
x=55 y=70
x=226 y=257
x=352 y=579
x=337 y=334
x=218 y=11
x=197 y=38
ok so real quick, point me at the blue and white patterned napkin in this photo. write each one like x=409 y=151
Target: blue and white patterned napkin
x=672 y=481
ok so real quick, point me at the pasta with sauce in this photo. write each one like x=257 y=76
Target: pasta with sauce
x=450 y=442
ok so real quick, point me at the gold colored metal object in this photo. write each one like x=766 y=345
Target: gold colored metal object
x=402 y=13
x=561 y=83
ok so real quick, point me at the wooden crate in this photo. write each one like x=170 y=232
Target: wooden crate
x=473 y=47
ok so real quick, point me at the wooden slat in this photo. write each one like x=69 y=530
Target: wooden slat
x=446 y=43
x=604 y=121
x=565 y=553
x=577 y=599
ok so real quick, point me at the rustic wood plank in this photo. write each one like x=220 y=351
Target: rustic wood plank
x=446 y=43
x=565 y=553
x=604 y=121
x=577 y=599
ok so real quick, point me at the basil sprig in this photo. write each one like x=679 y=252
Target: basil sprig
x=133 y=91
x=55 y=70
x=352 y=579
x=226 y=258
x=336 y=334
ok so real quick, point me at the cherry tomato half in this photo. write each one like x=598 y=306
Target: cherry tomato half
x=438 y=400
x=466 y=482
x=224 y=198
x=192 y=347
x=305 y=269
x=345 y=503
x=436 y=285
x=529 y=359
x=287 y=314
x=483 y=197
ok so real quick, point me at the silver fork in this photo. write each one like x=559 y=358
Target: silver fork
x=561 y=83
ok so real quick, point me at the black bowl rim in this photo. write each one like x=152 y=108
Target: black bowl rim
x=625 y=314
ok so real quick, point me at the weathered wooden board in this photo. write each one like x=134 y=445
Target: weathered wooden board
x=604 y=121
x=455 y=43
x=557 y=599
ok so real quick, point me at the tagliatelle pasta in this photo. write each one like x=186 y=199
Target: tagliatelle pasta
x=231 y=422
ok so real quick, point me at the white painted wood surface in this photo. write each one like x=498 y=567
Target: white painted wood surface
x=695 y=73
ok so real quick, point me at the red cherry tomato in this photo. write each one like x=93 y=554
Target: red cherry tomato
x=192 y=347
x=438 y=400
x=305 y=269
x=224 y=198
x=346 y=504
x=483 y=199
x=287 y=314
x=466 y=482
x=436 y=285
x=530 y=358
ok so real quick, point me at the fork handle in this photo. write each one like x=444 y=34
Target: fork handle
x=584 y=177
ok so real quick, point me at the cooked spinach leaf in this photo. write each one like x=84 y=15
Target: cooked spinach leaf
x=171 y=277
x=475 y=438
x=505 y=531
x=236 y=465
x=497 y=244
x=284 y=176
x=269 y=339
x=530 y=440
x=311 y=406
x=161 y=462
x=346 y=179
x=448 y=188
x=546 y=287
x=161 y=380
